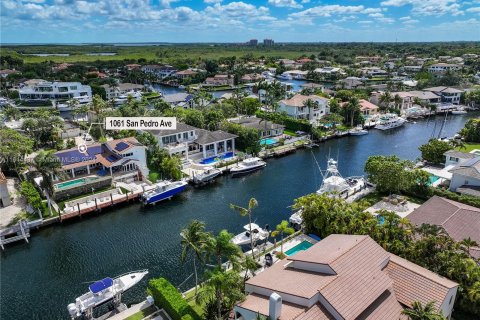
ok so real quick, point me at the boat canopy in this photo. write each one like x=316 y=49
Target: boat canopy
x=254 y=226
x=101 y=285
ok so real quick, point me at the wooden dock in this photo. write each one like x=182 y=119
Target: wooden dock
x=284 y=150
x=20 y=231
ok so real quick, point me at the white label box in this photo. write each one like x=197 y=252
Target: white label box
x=140 y=123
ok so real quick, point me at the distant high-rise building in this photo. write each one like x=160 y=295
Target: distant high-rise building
x=268 y=42
x=253 y=42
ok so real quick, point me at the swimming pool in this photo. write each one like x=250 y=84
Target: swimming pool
x=211 y=160
x=432 y=179
x=268 y=141
x=74 y=183
x=304 y=245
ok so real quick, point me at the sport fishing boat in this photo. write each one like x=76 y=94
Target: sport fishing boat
x=459 y=110
x=334 y=184
x=390 y=121
x=103 y=291
x=258 y=234
x=296 y=219
x=248 y=165
x=208 y=175
x=163 y=190
x=357 y=131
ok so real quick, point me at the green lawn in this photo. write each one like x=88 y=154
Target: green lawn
x=469 y=147
x=190 y=298
x=142 y=313
x=290 y=133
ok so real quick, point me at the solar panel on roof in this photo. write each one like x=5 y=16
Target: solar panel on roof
x=121 y=146
x=112 y=158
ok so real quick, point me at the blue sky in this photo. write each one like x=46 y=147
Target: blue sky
x=77 y=21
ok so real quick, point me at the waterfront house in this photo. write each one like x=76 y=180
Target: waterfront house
x=184 y=74
x=328 y=70
x=252 y=77
x=454 y=157
x=181 y=100
x=117 y=90
x=70 y=130
x=161 y=72
x=459 y=220
x=413 y=69
x=367 y=108
x=374 y=72
x=61 y=91
x=466 y=177
x=132 y=66
x=447 y=94
x=194 y=143
x=6 y=72
x=425 y=97
x=406 y=99
x=265 y=128
x=350 y=83
x=122 y=159
x=296 y=107
x=442 y=68
x=219 y=80
x=4 y=195
x=343 y=277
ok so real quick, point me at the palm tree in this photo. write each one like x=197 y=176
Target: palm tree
x=248 y=265
x=420 y=312
x=352 y=107
x=11 y=113
x=281 y=230
x=194 y=242
x=48 y=165
x=221 y=247
x=397 y=100
x=252 y=203
x=385 y=100
x=468 y=243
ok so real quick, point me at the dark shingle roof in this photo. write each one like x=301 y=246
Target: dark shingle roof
x=206 y=137
x=181 y=127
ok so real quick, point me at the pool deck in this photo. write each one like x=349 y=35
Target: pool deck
x=401 y=210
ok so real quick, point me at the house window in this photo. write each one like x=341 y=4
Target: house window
x=185 y=135
x=451 y=300
x=191 y=133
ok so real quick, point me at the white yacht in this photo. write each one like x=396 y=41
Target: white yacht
x=163 y=190
x=333 y=183
x=357 y=131
x=121 y=99
x=459 y=110
x=208 y=175
x=296 y=218
x=248 y=165
x=103 y=291
x=390 y=121
x=258 y=234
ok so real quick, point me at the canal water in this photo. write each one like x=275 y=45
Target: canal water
x=39 y=279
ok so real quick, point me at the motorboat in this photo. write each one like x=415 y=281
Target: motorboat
x=103 y=291
x=121 y=99
x=390 y=121
x=296 y=218
x=257 y=234
x=459 y=110
x=248 y=165
x=335 y=185
x=357 y=131
x=162 y=191
x=285 y=76
x=208 y=175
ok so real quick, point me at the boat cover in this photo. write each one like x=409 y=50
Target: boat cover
x=101 y=285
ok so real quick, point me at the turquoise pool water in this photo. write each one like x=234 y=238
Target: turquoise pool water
x=73 y=183
x=431 y=179
x=304 y=245
x=211 y=160
x=268 y=141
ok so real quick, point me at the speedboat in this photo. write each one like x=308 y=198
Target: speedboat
x=358 y=131
x=248 y=165
x=459 y=110
x=335 y=185
x=121 y=99
x=103 y=291
x=163 y=190
x=209 y=174
x=389 y=122
x=296 y=218
x=257 y=233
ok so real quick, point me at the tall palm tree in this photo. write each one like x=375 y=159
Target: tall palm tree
x=281 y=230
x=385 y=100
x=248 y=265
x=397 y=100
x=352 y=107
x=48 y=165
x=194 y=243
x=252 y=203
x=420 y=312
x=221 y=247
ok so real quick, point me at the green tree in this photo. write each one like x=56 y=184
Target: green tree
x=171 y=168
x=251 y=105
x=194 y=245
x=48 y=166
x=282 y=229
x=433 y=151
x=423 y=312
x=471 y=131
x=11 y=113
x=247 y=212
x=390 y=174
x=13 y=149
x=195 y=118
x=32 y=196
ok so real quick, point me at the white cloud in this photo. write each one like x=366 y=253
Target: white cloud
x=212 y=1
x=285 y=3
x=335 y=9
x=428 y=7
x=474 y=10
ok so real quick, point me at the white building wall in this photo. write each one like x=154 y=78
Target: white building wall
x=460 y=180
x=447 y=305
x=139 y=154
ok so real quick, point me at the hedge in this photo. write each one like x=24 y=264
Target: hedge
x=470 y=200
x=167 y=297
x=289 y=123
